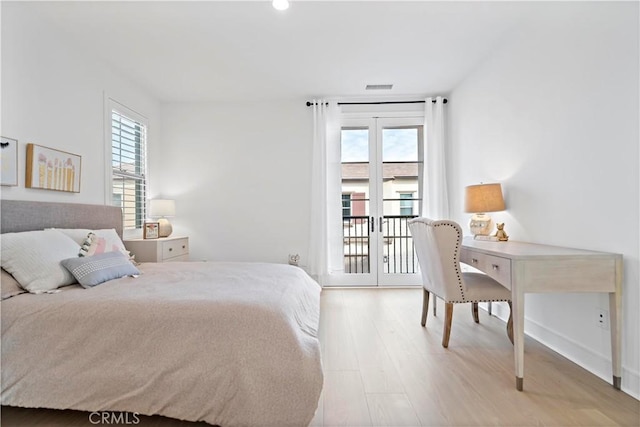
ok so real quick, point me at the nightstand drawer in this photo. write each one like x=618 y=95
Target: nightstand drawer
x=175 y=248
x=159 y=250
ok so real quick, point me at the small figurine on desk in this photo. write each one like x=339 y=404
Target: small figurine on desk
x=501 y=234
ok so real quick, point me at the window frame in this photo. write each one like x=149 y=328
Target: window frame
x=346 y=204
x=111 y=105
x=375 y=121
x=404 y=200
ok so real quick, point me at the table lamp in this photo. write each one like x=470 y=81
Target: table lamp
x=480 y=199
x=162 y=208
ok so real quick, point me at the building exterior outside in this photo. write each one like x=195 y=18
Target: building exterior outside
x=401 y=202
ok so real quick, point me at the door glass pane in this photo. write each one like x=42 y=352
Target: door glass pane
x=401 y=170
x=355 y=200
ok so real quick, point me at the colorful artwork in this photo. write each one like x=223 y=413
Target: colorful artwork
x=51 y=169
x=9 y=161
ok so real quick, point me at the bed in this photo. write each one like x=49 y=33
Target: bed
x=231 y=344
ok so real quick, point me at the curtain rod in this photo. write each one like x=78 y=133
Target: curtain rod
x=444 y=101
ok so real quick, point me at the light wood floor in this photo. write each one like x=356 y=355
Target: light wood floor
x=383 y=369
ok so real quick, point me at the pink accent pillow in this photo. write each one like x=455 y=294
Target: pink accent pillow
x=102 y=241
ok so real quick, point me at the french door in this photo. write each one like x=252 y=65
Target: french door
x=381 y=186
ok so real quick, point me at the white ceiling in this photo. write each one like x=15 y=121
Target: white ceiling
x=226 y=50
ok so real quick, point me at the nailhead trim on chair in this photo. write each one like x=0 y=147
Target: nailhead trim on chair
x=456 y=258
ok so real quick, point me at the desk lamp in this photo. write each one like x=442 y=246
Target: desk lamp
x=480 y=199
x=162 y=208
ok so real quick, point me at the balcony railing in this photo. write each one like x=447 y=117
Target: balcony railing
x=399 y=255
x=398 y=248
x=356 y=239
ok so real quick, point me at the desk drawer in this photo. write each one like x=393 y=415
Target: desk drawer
x=175 y=248
x=470 y=258
x=496 y=267
x=499 y=269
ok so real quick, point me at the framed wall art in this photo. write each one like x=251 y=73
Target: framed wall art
x=52 y=169
x=151 y=230
x=8 y=161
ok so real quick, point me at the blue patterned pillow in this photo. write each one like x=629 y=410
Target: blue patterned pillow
x=93 y=270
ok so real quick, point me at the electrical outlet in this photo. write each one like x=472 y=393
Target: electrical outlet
x=294 y=259
x=603 y=319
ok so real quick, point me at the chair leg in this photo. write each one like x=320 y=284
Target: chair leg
x=435 y=305
x=474 y=312
x=448 y=316
x=425 y=305
x=489 y=307
x=510 y=324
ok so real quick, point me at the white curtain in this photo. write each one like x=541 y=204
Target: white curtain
x=325 y=234
x=435 y=200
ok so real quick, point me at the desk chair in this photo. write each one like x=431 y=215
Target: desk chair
x=438 y=245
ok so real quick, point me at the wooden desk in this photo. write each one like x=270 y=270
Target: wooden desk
x=527 y=267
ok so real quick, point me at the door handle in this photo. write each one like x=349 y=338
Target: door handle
x=373 y=224
x=380 y=224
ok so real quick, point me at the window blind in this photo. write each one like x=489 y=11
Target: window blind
x=128 y=160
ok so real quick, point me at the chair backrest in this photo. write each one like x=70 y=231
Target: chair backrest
x=438 y=245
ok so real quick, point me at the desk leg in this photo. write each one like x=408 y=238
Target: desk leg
x=517 y=297
x=615 y=321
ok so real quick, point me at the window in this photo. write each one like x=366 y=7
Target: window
x=382 y=167
x=129 y=167
x=406 y=204
x=346 y=205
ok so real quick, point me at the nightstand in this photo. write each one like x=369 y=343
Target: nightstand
x=164 y=249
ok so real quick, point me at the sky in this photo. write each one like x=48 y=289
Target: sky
x=397 y=145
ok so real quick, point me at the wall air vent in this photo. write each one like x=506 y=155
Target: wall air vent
x=379 y=87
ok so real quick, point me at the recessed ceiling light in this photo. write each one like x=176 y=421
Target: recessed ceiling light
x=379 y=87
x=280 y=4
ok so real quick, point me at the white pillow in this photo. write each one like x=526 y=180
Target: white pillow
x=33 y=258
x=77 y=234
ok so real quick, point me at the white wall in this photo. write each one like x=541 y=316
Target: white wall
x=240 y=175
x=553 y=115
x=52 y=95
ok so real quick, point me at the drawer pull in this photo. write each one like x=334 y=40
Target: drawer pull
x=474 y=260
x=183 y=246
x=495 y=266
x=170 y=249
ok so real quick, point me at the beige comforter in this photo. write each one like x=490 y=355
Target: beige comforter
x=232 y=344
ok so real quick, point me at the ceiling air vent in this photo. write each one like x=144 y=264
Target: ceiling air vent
x=379 y=87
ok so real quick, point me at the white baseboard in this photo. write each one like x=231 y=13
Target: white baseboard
x=593 y=362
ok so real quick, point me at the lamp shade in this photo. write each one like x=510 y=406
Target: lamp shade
x=484 y=198
x=162 y=208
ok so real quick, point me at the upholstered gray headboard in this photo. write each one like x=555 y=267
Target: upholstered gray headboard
x=20 y=215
